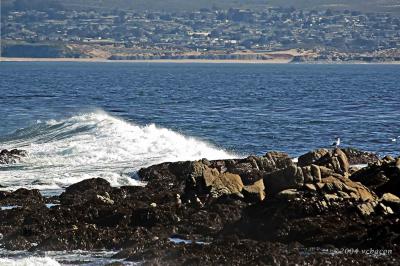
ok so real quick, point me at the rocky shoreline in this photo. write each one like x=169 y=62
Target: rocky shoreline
x=266 y=210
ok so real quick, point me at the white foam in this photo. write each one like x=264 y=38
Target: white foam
x=70 y=257
x=63 y=152
x=177 y=240
x=10 y=207
x=29 y=261
x=359 y=166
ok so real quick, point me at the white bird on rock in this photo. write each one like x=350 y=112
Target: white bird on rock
x=336 y=143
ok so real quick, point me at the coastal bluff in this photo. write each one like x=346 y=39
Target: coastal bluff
x=270 y=210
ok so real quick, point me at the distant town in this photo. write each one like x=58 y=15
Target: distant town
x=236 y=34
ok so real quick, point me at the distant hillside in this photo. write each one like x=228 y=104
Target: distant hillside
x=175 y=5
x=392 y=6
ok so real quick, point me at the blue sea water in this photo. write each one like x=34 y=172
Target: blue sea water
x=244 y=108
x=82 y=120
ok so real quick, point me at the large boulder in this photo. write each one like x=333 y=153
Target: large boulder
x=89 y=190
x=226 y=183
x=289 y=177
x=171 y=175
x=311 y=157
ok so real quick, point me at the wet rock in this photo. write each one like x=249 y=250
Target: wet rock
x=22 y=197
x=12 y=156
x=95 y=189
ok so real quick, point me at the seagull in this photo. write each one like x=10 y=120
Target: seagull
x=336 y=143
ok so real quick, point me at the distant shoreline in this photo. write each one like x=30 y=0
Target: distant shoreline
x=103 y=60
x=204 y=61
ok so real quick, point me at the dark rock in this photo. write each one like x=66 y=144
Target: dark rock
x=243 y=252
x=21 y=197
x=220 y=209
x=356 y=156
x=382 y=177
x=95 y=189
x=12 y=156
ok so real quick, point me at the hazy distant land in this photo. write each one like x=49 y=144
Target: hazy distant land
x=391 y=6
x=206 y=30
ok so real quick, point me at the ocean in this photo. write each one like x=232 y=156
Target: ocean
x=83 y=120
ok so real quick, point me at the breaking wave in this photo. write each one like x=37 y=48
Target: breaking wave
x=62 y=152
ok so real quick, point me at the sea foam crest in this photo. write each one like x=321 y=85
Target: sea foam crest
x=62 y=152
x=29 y=261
